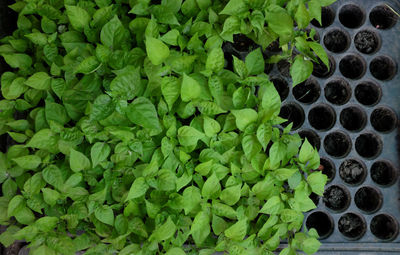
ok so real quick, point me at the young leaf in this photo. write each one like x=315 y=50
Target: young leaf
x=317 y=182
x=200 y=228
x=156 y=50
x=190 y=88
x=78 y=17
x=78 y=161
x=138 y=189
x=237 y=231
x=255 y=62
x=99 y=152
x=142 y=112
x=300 y=70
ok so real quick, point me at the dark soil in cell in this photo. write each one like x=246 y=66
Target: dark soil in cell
x=368 y=93
x=7 y=18
x=321 y=70
x=307 y=92
x=268 y=68
x=243 y=44
x=353 y=118
x=382 y=68
x=274 y=47
x=328 y=168
x=383 y=119
x=293 y=113
x=352 y=226
x=382 y=17
x=316 y=37
x=337 y=91
x=366 y=41
x=384 y=227
x=352 y=66
x=322 y=117
x=351 y=16
x=337 y=40
x=337 y=144
x=281 y=86
x=368 y=199
x=327 y=17
x=315 y=198
x=383 y=173
x=322 y=222
x=352 y=171
x=312 y=138
x=368 y=145
x=336 y=198
x=284 y=68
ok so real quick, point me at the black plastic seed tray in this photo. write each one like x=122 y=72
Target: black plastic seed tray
x=350 y=113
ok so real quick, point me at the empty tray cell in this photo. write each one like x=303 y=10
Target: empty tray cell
x=368 y=145
x=383 y=68
x=352 y=171
x=327 y=17
x=383 y=173
x=367 y=41
x=337 y=91
x=322 y=222
x=352 y=66
x=293 y=113
x=321 y=70
x=352 y=226
x=368 y=93
x=383 y=119
x=284 y=68
x=337 y=40
x=368 y=199
x=312 y=137
x=328 y=168
x=384 y=227
x=383 y=17
x=353 y=118
x=337 y=198
x=281 y=86
x=307 y=92
x=337 y=144
x=322 y=117
x=351 y=16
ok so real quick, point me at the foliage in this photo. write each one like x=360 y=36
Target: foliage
x=131 y=135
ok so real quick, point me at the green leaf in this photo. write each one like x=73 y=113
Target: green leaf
x=237 y=231
x=321 y=53
x=156 y=50
x=47 y=223
x=300 y=70
x=200 y=228
x=37 y=38
x=40 y=80
x=50 y=196
x=244 y=117
x=28 y=162
x=88 y=65
x=99 y=152
x=264 y=134
x=15 y=205
x=104 y=214
x=283 y=174
x=171 y=90
x=127 y=83
x=211 y=188
x=311 y=245
x=78 y=17
x=234 y=7
x=280 y=22
x=211 y=127
x=190 y=88
x=18 y=60
x=317 y=182
x=53 y=176
x=189 y=136
x=302 y=16
x=13 y=89
x=192 y=199
x=113 y=33
x=78 y=161
x=306 y=152
x=215 y=60
x=255 y=63
x=138 y=189
x=240 y=67
x=251 y=146
x=274 y=205
x=143 y=113
x=231 y=195
x=314 y=8
x=165 y=231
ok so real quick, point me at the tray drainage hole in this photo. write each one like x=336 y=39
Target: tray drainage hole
x=284 y=68
x=368 y=93
x=242 y=43
x=293 y=113
x=366 y=41
x=351 y=16
x=322 y=117
x=327 y=17
x=352 y=226
x=352 y=66
x=337 y=91
x=328 y=168
x=312 y=137
x=322 y=222
x=352 y=171
x=307 y=92
x=282 y=87
x=337 y=144
x=384 y=227
x=337 y=198
x=368 y=145
x=353 y=118
x=368 y=199
x=337 y=40
x=383 y=173
x=382 y=68
x=321 y=70
x=382 y=17
x=383 y=119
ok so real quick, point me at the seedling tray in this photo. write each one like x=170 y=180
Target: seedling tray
x=350 y=113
